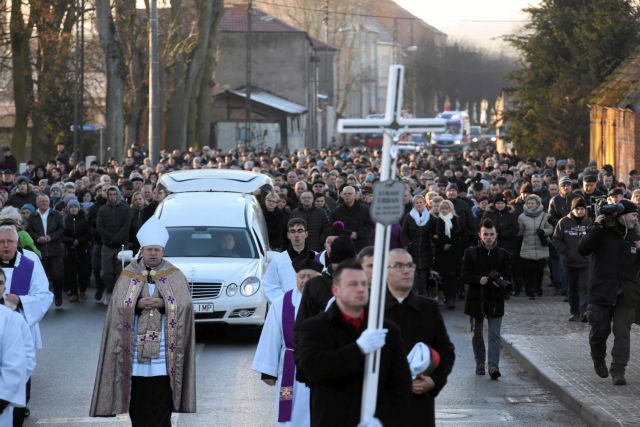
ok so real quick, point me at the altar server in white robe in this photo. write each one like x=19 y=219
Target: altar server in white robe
x=17 y=359
x=27 y=289
x=280 y=276
x=274 y=357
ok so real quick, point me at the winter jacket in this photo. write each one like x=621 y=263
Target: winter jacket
x=317 y=225
x=55 y=229
x=559 y=207
x=276 y=227
x=449 y=250
x=92 y=217
x=329 y=358
x=484 y=300
x=529 y=222
x=418 y=241
x=77 y=228
x=613 y=269
x=18 y=200
x=113 y=223
x=355 y=218
x=566 y=236
x=506 y=223
x=463 y=211
x=137 y=221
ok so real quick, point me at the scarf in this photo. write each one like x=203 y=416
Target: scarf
x=447 y=223
x=149 y=329
x=421 y=219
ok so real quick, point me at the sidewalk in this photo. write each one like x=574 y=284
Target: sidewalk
x=538 y=334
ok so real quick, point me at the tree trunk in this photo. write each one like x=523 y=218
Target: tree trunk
x=182 y=101
x=112 y=48
x=22 y=82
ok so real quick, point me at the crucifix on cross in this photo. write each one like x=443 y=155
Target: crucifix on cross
x=393 y=125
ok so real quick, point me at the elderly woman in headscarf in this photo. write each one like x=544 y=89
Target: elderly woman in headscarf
x=415 y=230
x=12 y=216
x=535 y=229
x=449 y=239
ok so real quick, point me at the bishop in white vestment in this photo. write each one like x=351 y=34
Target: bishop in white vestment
x=274 y=357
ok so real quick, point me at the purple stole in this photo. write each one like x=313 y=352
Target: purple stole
x=285 y=406
x=21 y=278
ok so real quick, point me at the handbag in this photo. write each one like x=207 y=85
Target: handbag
x=544 y=239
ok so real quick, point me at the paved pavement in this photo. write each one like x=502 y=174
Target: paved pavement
x=539 y=335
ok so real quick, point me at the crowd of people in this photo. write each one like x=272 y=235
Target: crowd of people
x=479 y=227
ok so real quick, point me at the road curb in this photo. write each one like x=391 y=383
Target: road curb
x=589 y=411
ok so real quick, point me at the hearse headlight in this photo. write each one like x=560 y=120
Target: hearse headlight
x=250 y=286
x=232 y=289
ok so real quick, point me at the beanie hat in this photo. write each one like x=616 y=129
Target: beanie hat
x=73 y=202
x=308 y=263
x=452 y=185
x=629 y=206
x=499 y=198
x=578 y=202
x=29 y=207
x=341 y=249
x=22 y=179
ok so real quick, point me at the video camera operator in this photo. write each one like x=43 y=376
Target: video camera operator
x=612 y=243
x=485 y=269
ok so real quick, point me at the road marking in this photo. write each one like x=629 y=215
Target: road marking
x=122 y=419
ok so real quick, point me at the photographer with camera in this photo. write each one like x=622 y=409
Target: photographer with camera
x=612 y=243
x=485 y=268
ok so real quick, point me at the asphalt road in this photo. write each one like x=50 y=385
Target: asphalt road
x=230 y=394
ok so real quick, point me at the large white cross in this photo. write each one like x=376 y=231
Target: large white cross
x=393 y=125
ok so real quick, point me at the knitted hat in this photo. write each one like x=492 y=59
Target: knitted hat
x=73 y=202
x=578 y=202
x=499 y=198
x=341 y=249
x=22 y=179
x=629 y=206
x=308 y=263
x=453 y=186
x=29 y=207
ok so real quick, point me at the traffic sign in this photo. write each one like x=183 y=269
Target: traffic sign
x=388 y=206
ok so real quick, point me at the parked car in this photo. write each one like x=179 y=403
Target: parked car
x=218 y=238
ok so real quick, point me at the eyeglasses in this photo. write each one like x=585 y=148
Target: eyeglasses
x=401 y=266
x=297 y=231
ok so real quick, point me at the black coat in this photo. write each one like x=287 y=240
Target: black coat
x=77 y=228
x=559 y=207
x=506 y=223
x=317 y=225
x=419 y=241
x=612 y=264
x=355 y=218
x=137 y=221
x=420 y=321
x=92 y=216
x=276 y=228
x=332 y=363
x=316 y=295
x=463 y=210
x=487 y=300
x=113 y=224
x=18 y=200
x=55 y=230
x=448 y=260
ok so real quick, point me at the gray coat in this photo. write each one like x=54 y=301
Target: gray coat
x=529 y=222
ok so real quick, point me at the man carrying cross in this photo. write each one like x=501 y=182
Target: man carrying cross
x=147 y=356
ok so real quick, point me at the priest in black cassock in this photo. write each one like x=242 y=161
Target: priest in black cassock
x=420 y=321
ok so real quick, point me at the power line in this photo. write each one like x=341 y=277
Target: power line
x=367 y=15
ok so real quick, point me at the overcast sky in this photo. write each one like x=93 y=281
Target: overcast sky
x=481 y=22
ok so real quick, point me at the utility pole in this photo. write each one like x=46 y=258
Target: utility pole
x=154 y=100
x=78 y=96
x=247 y=89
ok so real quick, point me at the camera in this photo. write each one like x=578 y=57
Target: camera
x=495 y=277
x=610 y=211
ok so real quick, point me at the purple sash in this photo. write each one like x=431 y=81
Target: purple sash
x=21 y=278
x=288 y=367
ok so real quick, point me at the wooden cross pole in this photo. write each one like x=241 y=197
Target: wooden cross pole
x=393 y=125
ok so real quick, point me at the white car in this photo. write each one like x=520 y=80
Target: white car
x=218 y=239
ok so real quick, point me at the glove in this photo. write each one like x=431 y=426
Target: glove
x=370 y=422
x=371 y=339
x=540 y=232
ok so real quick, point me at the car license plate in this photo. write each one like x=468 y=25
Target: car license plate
x=203 y=308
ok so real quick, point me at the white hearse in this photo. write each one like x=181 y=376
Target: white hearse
x=218 y=239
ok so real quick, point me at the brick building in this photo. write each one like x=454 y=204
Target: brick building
x=614 y=125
